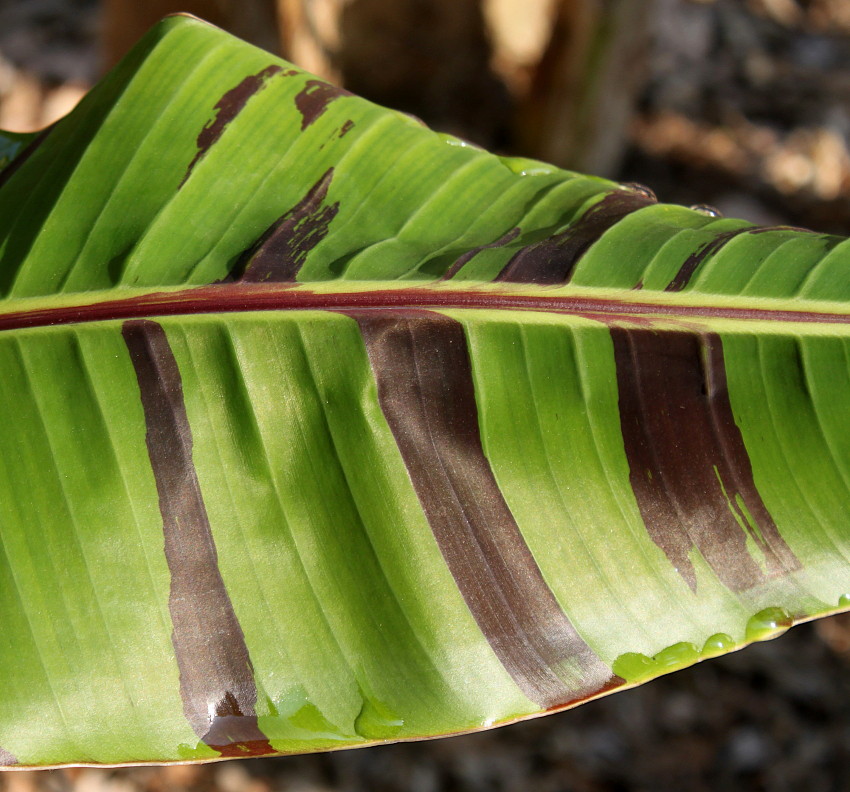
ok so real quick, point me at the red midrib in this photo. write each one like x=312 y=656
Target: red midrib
x=230 y=298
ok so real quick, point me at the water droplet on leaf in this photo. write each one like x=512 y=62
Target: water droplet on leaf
x=718 y=644
x=377 y=721
x=676 y=656
x=641 y=189
x=768 y=623
x=453 y=140
x=708 y=211
x=633 y=666
x=522 y=166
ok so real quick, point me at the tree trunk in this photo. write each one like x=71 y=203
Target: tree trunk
x=585 y=86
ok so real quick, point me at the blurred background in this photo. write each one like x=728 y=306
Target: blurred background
x=742 y=104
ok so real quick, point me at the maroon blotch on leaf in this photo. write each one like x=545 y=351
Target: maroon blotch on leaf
x=314 y=100
x=554 y=260
x=425 y=388
x=689 y=467
x=282 y=249
x=216 y=675
x=227 y=108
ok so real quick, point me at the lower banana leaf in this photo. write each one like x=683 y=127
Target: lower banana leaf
x=323 y=429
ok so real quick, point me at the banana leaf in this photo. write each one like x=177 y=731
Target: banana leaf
x=324 y=429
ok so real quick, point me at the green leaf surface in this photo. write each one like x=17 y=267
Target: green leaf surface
x=324 y=429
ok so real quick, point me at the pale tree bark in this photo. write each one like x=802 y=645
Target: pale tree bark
x=553 y=79
x=431 y=58
x=584 y=88
x=310 y=34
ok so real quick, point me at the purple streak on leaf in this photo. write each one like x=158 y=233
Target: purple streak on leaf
x=280 y=252
x=554 y=260
x=216 y=675
x=689 y=467
x=227 y=108
x=425 y=388
x=314 y=100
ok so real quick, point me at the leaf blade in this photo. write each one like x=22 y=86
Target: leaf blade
x=304 y=260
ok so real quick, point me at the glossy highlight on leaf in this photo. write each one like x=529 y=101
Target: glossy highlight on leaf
x=326 y=429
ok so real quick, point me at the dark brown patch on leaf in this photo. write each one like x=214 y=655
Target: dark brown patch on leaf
x=692 y=262
x=611 y=685
x=689 y=468
x=235 y=733
x=216 y=676
x=346 y=128
x=424 y=375
x=463 y=260
x=553 y=260
x=227 y=108
x=7 y=759
x=686 y=271
x=280 y=252
x=315 y=98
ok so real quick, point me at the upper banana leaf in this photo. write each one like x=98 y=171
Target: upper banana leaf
x=325 y=429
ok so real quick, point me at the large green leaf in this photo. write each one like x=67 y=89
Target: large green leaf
x=325 y=429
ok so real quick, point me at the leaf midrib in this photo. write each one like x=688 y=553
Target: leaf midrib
x=240 y=298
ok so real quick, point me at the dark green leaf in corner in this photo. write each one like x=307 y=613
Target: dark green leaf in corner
x=324 y=429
